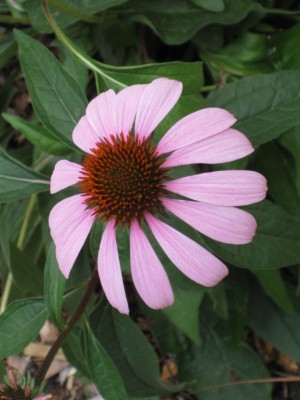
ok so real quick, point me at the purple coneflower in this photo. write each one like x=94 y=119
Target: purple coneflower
x=124 y=180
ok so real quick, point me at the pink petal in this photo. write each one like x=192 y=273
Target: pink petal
x=148 y=274
x=226 y=146
x=110 y=270
x=188 y=256
x=84 y=135
x=194 y=127
x=225 y=188
x=225 y=224
x=158 y=98
x=66 y=173
x=70 y=223
x=126 y=107
x=100 y=113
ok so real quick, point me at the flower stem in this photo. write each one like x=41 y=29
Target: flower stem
x=40 y=375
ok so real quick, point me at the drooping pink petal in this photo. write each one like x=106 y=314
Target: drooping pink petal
x=226 y=146
x=70 y=223
x=126 y=108
x=194 y=127
x=225 y=188
x=188 y=256
x=110 y=270
x=65 y=174
x=84 y=135
x=225 y=224
x=100 y=113
x=148 y=274
x=158 y=98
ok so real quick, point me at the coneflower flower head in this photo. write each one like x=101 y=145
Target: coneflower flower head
x=125 y=180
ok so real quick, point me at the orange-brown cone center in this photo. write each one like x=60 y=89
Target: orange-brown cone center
x=123 y=178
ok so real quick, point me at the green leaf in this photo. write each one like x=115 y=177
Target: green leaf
x=184 y=313
x=247 y=55
x=29 y=282
x=2 y=371
x=20 y=324
x=218 y=296
x=279 y=328
x=67 y=12
x=102 y=370
x=265 y=105
x=275 y=245
x=54 y=285
x=215 y=364
x=8 y=48
x=18 y=181
x=272 y=162
x=73 y=350
x=108 y=76
x=211 y=5
x=57 y=99
x=274 y=286
x=290 y=141
x=165 y=17
x=283 y=46
x=37 y=135
x=130 y=351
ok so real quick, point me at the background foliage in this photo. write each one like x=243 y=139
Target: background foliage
x=240 y=55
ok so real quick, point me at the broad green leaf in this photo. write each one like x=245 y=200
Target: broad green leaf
x=67 y=12
x=165 y=18
x=184 y=313
x=108 y=76
x=2 y=371
x=8 y=48
x=272 y=162
x=130 y=351
x=54 y=285
x=291 y=143
x=247 y=55
x=232 y=325
x=218 y=297
x=102 y=369
x=18 y=181
x=279 y=328
x=265 y=105
x=211 y=5
x=275 y=245
x=37 y=135
x=73 y=350
x=38 y=20
x=29 y=282
x=214 y=364
x=57 y=99
x=283 y=46
x=274 y=286
x=20 y=324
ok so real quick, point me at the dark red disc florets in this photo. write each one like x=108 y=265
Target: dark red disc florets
x=123 y=178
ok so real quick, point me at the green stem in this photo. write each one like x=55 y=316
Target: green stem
x=209 y=88
x=24 y=227
x=40 y=375
x=6 y=291
x=20 y=246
